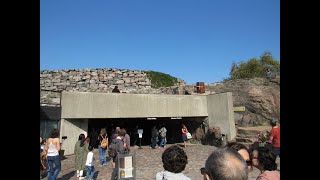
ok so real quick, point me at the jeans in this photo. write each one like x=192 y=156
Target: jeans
x=52 y=175
x=276 y=151
x=163 y=141
x=114 y=174
x=102 y=155
x=90 y=172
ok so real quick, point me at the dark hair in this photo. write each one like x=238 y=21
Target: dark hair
x=90 y=148
x=124 y=131
x=273 y=123
x=81 y=139
x=227 y=164
x=121 y=133
x=267 y=158
x=237 y=146
x=174 y=159
x=54 y=133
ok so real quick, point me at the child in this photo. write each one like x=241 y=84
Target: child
x=90 y=164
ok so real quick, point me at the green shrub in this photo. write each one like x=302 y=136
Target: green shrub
x=159 y=79
x=254 y=67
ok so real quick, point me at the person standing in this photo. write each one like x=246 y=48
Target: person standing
x=80 y=151
x=135 y=136
x=154 y=136
x=163 y=134
x=116 y=90
x=53 y=157
x=120 y=150
x=265 y=161
x=174 y=161
x=225 y=163
x=93 y=138
x=126 y=140
x=90 y=164
x=102 y=150
x=275 y=137
x=184 y=131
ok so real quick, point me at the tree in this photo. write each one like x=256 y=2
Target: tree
x=254 y=67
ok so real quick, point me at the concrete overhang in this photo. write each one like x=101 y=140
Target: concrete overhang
x=122 y=105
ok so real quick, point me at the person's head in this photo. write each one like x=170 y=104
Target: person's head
x=243 y=151
x=116 y=87
x=54 y=133
x=264 y=159
x=90 y=148
x=103 y=131
x=124 y=130
x=183 y=126
x=225 y=163
x=121 y=133
x=174 y=159
x=81 y=137
x=273 y=123
x=117 y=130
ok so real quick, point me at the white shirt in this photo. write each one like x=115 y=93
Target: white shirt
x=52 y=150
x=166 y=175
x=90 y=159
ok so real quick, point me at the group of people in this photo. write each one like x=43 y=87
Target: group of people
x=158 y=137
x=231 y=162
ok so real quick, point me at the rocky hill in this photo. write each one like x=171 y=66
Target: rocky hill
x=260 y=96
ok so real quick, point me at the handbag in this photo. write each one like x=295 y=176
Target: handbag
x=188 y=135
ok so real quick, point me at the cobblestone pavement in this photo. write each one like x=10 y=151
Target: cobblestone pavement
x=148 y=163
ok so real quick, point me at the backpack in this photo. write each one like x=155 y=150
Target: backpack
x=104 y=142
x=112 y=151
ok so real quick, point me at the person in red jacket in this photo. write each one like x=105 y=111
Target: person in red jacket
x=275 y=137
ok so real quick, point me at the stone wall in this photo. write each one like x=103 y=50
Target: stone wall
x=53 y=82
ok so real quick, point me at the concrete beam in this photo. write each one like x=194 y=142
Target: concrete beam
x=115 y=105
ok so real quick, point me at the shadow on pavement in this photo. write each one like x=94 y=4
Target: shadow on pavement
x=67 y=176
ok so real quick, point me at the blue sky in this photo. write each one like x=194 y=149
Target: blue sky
x=196 y=40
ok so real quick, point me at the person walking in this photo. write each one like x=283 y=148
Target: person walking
x=80 y=151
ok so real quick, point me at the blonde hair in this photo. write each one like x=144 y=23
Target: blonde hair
x=103 y=131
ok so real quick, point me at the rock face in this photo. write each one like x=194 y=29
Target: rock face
x=53 y=82
x=260 y=96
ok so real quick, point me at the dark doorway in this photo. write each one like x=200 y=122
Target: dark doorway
x=173 y=127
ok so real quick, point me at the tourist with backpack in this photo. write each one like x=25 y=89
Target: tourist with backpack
x=80 y=152
x=102 y=146
x=116 y=148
